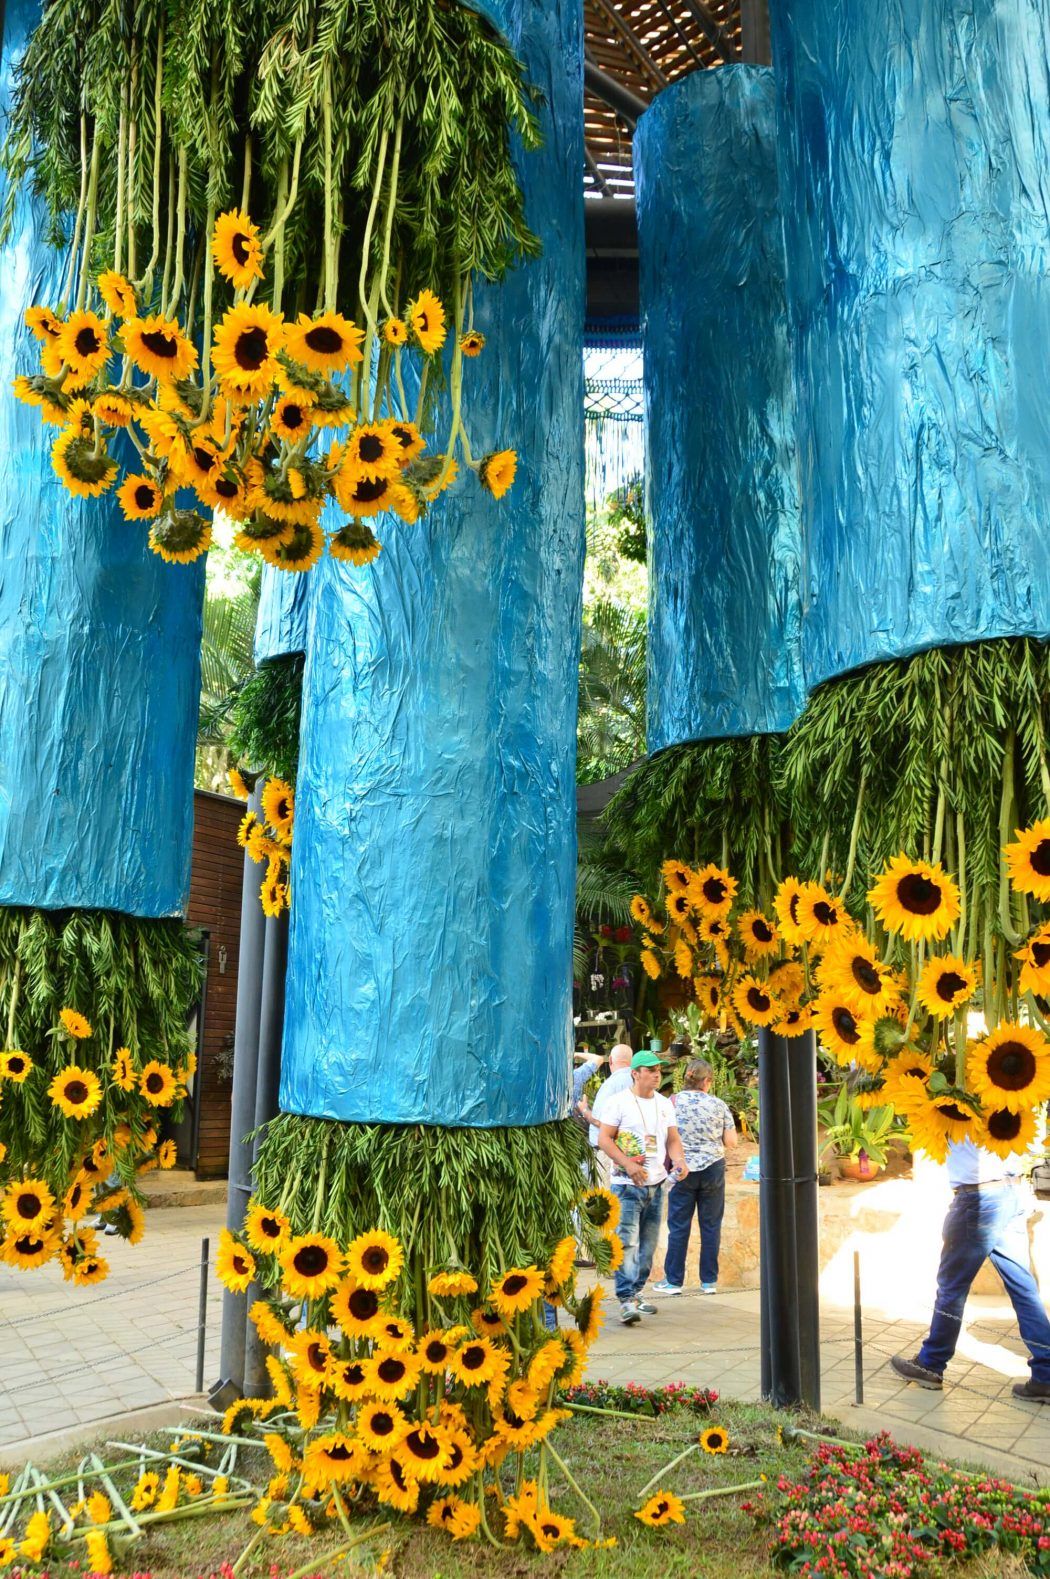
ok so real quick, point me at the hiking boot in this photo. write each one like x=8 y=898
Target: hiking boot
x=1032 y=1392
x=629 y=1313
x=912 y=1371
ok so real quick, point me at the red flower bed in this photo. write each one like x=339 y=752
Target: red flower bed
x=639 y=1400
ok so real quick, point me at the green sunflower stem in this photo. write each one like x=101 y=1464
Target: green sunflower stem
x=70 y=273
x=366 y=244
x=118 y=228
x=89 y=220
x=180 y=236
x=1007 y=812
x=145 y=284
x=694 y=1447
x=722 y=1491
x=854 y=835
x=329 y=242
x=570 y=1477
x=319 y=1564
x=13 y=1006
x=391 y=204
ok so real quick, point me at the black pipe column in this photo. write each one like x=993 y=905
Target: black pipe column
x=789 y=1270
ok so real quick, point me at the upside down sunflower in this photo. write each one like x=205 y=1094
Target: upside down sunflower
x=1007 y=1133
x=246 y=345
x=1028 y=860
x=938 y=1122
x=374 y=1259
x=237 y=249
x=234 y=1263
x=426 y=318
x=497 y=472
x=514 y=1291
x=915 y=898
x=1035 y=957
x=946 y=983
x=157 y=347
x=311 y=1265
x=1010 y=1068
x=76 y=1092
x=663 y=1507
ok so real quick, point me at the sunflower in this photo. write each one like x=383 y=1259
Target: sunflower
x=715 y=1439
x=158 y=348
x=372 y=451
x=139 y=497
x=364 y=496
x=234 y=1263
x=396 y=1485
x=757 y=934
x=309 y=1354
x=450 y=1285
x=157 y=1083
x=113 y=410
x=514 y=1291
x=457 y=1518
x=1035 y=954
x=713 y=891
x=785 y=903
x=643 y=914
x=355 y=543
x=83 y=344
x=393 y=1376
x=1010 y=1068
x=76 y=1200
x=355 y=1309
x=394 y=1333
x=237 y=249
x=264 y=1230
x=424 y=1450
x=436 y=1348
x=167 y=1154
x=662 y=1508
x=42 y=323
x=76 y=1092
x=278 y=804
x=332 y=1459
x=75 y=1024
x=915 y=899
x=268 y=1325
x=426 y=319
x=589 y=1314
x=410 y=442
x=27 y=1203
x=708 y=989
x=601 y=1209
x=245 y=349
x=180 y=537
x=1007 y=1133
x=794 y=1021
x=326 y=344
x=292 y=418
x=311 y=1265
x=939 y=1121
x=1028 y=860
x=650 y=964
x=478 y=1362
x=488 y=1323
x=15 y=1065
x=852 y=969
x=381 y=1426
x=754 y=1001
x=118 y=294
x=847 y=1036
x=820 y=917
x=497 y=472
x=905 y=1078
x=714 y=931
x=28 y=1248
x=395 y=332
x=560 y=1265
x=945 y=984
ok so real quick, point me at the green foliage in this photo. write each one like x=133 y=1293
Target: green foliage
x=611 y=723
x=265 y=732
x=135 y=980
x=627 y=514
x=851 y=1129
x=488 y=1198
x=226 y=661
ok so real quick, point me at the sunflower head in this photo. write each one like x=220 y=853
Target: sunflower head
x=1028 y=860
x=246 y=346
x=157 y=1083
x=140 y=497
x=663 y=1507
x=472 y=343
x=715 y=1439
x=916 y=899
x=1010 y=1068
x=180 y=537
x=118 y=293
x=374 y=1259
x=311 y=1265
x=497 y=472
x=426 y=318
x=395 y=331
x=158 y=348
x=15 y=1065
x=237 y=249
x=76 y=1092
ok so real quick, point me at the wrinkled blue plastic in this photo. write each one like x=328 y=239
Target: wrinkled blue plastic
x=429 y=974
x=915 y=155
x=99 y=648
x=723 y=497
x=280 y=627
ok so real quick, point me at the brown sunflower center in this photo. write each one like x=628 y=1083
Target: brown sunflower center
x=551 y=1530
x=240 y=1265
x=793 y=907
x=76 y=1092
x=758 y=1000
x=715 y=929
x=761 y=931
x=226 y=487
x=292 y=416
x=239 y=247
x=339 y=1453
x=252 y=348
x=381 y=1422
x=154 y=1082
x=369 y=492
x=422 y=322
x=1041 y=955
x=435 y=1351
x=865 y=975
x=1003 y=1125
x=398 y=1475
x=363 y=1304
x=204 y=459
x=376 y=1258
x=311 y=1261
x=144 y=497
x=269 y=1227
x=28 y=1205
x=28 y=1245
x=472 y=1357
x=514 y=1284
x=324 y=339
x=954 y=1113
x=76 y=1195
x=660 y=1509
x=403 y=436
x=825 y=913
x=158 y=343
x=713 y=890
x=919 y=895
x=949 y=985
x=845 y=1025
x=317 y=1357
x=87 y=341
x=1040 y=858
x=15 y=1063
x=1011 y=1066
x=391 y=1369
x=447 y=1512
x=422 y=1444
x=455 y=1456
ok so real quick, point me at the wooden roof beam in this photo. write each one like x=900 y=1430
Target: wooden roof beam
x=712 y=29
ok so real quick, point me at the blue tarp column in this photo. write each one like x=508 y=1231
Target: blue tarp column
x=723 y=501
x=99 y=646
x=915 y=156
x=280 y=629
x=429 y=974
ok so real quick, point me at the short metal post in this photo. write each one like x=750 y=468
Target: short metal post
x=202 y=1312
x=858 y=1334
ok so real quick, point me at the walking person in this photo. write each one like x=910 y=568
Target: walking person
x=987 y=1219
x=637 y=1131
x=618 y=1079
x=707 y=1129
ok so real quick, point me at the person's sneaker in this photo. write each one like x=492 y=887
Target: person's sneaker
x=667 y=1288
x=912 y=1371
x=709 y=1288
x=1032 y=1392
x=629 y=1313
x=645 y=1308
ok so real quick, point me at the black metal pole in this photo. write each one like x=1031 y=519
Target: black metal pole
x=802 y=1075
x=202 y=1312
x=242 y=1116
x=271 y=1031
x=858 y=1333
x=778 y=1269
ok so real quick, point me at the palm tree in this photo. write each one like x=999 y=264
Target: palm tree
x=227 y=639
x=611 y=726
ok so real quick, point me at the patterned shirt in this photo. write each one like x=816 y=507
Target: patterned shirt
x=701 y=1120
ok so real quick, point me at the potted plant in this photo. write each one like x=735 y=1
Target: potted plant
x=858 y=1137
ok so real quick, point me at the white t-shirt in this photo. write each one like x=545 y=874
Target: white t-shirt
x=648 y=1119
x=619 y=1080
x=970 y=1164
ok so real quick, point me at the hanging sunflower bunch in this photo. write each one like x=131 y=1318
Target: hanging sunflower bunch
x=82 y=1111
x=958 y=1049
x=269 y=838
x=199 y=359
x=419 y=1386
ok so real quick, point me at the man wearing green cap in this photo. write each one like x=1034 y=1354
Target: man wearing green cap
x=637 y=1133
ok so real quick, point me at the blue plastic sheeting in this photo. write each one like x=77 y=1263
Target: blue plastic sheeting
x=723 y=498
x=915 y=155
x=429 y=975
x=280 y=627
x=99 y=648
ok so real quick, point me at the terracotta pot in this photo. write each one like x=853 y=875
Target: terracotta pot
x=860 y=1168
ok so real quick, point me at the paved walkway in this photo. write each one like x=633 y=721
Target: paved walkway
x=72 y=1357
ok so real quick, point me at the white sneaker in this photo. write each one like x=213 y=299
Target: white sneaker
x=709 y=1288
x=646 y=1309
x=629 y=1313
x=667 y=1288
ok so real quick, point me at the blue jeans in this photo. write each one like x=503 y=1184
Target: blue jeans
x=702 y=1192
x=989 y=1222
x=641 y=1212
